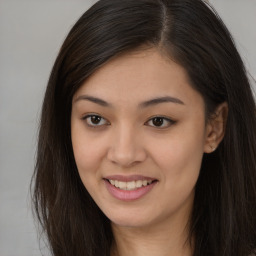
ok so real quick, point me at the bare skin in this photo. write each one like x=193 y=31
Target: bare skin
x=114 y=132
x=153 y=240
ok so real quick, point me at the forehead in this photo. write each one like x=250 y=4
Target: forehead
x=139 y=75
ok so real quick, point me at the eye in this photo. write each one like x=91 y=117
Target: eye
x=95 y=120
x=160 y=122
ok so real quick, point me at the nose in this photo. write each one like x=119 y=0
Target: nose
x=126 y=148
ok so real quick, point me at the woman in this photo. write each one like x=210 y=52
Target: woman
x=147 y=142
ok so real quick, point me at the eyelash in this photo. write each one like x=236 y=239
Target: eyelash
x=164 y=119
x=93 y=125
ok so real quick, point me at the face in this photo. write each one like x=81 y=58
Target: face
x=138 y=135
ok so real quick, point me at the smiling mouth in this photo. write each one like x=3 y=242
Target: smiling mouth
x=130 y=185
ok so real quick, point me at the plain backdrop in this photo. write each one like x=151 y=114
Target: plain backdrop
x=31 y=33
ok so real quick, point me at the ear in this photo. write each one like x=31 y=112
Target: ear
x=215 y=128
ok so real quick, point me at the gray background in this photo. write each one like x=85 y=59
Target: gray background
x=31 y=32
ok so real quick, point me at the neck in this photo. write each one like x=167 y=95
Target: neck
x=165 y=240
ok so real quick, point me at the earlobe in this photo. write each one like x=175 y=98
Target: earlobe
x=215 y=128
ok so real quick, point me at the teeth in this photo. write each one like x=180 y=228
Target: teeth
x=122 y=184
x=144 y=183
x=131 y=185
x=139 y=183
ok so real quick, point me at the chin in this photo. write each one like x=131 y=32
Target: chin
x=131 y=220
x=129 y=223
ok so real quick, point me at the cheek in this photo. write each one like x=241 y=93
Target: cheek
x=88 y=151
x=179 y=162
x=87 y=160
x=180 y=157
x=85 y=157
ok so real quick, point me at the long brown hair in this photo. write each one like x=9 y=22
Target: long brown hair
x=223 y=220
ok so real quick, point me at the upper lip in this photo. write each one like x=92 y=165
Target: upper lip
x=128 y=178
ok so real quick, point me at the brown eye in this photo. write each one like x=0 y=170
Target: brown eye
x=160 y=122
x=95 y=120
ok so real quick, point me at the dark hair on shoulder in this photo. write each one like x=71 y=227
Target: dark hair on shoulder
x=190 y=32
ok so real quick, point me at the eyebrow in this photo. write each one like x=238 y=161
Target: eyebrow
x=143 y=104
x=159 y=100
x=93 y=99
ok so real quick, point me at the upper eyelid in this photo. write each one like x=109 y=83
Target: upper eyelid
x=90 y=115
x=161 y=116
x=94 y=126
x=171 y=121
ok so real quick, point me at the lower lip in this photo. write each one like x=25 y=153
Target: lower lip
x=128 y=195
